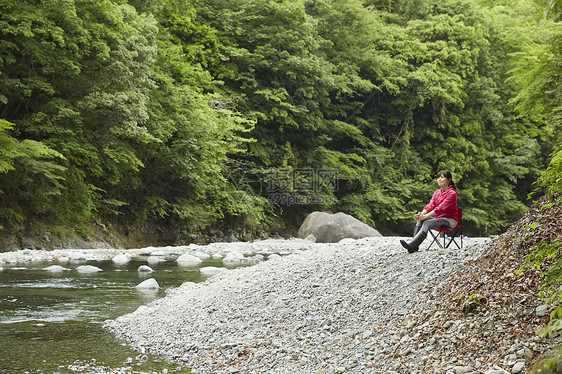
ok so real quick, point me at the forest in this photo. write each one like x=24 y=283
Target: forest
x=197 y=114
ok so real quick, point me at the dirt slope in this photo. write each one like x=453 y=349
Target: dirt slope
x=485 y=313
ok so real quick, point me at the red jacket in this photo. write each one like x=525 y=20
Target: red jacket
x=444 y=203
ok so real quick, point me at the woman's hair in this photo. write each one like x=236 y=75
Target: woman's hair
x=447 y=174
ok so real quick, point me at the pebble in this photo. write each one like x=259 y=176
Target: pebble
x=310 y=308
x=541 y=310
x=518 y=367
x=317 y=308
x=463 y=369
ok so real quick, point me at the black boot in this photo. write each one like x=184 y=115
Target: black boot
x=416 y=230
x=414 y=245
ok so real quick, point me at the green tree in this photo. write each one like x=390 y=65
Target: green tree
x=182 y=113
x=538 y=72
x=451 y=111
x=184 y=180
x=7 y=145
x=31 y=176
x=277 y=65
x=75 y=78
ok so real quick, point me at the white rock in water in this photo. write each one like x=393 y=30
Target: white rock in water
x=233 y=258
x=88 y=269
x=145 y=269
x=201 y=255
x=62 y=259
x=172 y=256
x=147 y=251
x=55 y=268
x=158 y=253
x=188 y=260
x=121 y=259
x=149 y=284
x=211 y=270
x=1 y=268
x=81 y=257
x=154 y=260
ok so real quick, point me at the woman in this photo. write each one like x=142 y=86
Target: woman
x=441 y=210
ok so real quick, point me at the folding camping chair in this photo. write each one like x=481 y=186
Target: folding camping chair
x=447 y=233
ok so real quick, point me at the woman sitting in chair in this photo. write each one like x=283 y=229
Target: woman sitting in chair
x=441 y=210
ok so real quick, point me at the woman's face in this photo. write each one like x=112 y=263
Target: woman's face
x=442 y=182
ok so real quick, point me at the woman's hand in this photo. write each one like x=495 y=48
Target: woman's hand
x=420 y=216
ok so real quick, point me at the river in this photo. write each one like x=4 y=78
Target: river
x=52 y=322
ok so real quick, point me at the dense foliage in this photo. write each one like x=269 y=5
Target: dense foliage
x=248 y=112
x=541 y=96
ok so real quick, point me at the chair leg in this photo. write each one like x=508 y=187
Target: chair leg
x=452 y=237
x=435 y=240
x=454 y=234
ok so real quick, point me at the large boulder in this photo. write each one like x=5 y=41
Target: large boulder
x=331 y=228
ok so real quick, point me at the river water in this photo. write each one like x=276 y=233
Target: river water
x=52 y=322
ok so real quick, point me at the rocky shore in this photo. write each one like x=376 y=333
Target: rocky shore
x=348 y=307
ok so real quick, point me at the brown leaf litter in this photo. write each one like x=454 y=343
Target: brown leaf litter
x=484 y=309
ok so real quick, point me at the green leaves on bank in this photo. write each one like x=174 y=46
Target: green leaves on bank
x=156 y=111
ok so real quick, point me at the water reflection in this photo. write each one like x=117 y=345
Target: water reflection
x=51 y=320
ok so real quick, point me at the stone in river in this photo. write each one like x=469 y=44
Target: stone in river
x=149 y=284
x=88 y=269
x=188 y=260
x=233 y=258
x=55 y=268
x=153 y=260
x=201 y=255
x=145 y=269
x=121 y=259
x=211 y=270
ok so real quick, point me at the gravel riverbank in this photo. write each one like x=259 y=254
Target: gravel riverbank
x=325 y=308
